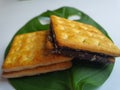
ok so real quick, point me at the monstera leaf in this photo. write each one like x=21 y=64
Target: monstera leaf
x=83 y=75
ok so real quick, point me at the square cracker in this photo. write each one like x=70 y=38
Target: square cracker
x=80 y=36
x=38 y=70
x=28 y=51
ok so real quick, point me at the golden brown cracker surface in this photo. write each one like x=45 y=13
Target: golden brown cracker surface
x=81 y=36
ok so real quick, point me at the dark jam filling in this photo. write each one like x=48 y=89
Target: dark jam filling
x=84 y=55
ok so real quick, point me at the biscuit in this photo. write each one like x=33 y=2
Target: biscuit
x=80 y=37
x=28 y=51
x=38 y=70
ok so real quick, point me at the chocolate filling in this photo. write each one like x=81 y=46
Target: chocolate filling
x=85 y=55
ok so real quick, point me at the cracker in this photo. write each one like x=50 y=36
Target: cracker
x=80 y=36
x=38 y=70
x=28 y=51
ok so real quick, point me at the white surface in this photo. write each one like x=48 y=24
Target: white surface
x=15 y=13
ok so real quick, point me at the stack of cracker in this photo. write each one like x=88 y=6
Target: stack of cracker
x=47 y=51
x=28 y=56
x=75 y=39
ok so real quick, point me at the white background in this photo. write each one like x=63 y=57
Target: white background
x=15 y=13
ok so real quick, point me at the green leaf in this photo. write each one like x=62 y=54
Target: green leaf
x=84 y=75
